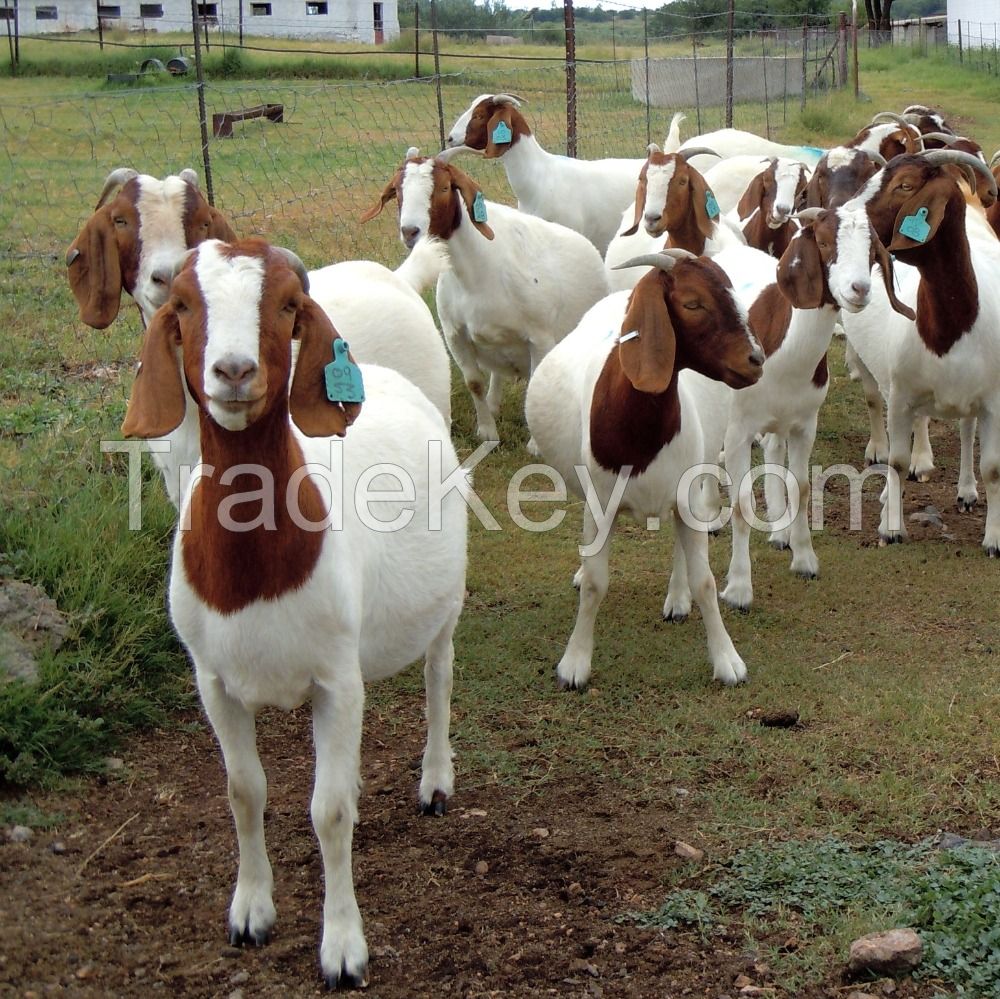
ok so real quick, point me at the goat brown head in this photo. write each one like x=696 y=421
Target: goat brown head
x=491 y=125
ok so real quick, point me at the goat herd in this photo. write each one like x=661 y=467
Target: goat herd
x=665 y=311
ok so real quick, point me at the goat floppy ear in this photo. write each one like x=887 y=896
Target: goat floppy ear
x=648 y=359
x=469 y=190
x=219 y=228
x=311 y=410
x=801 y=277
x=927 y=205
x=388 y=193
x=156 y=405
x=502 y=116
x=700 y=192
x=640 y=203
x=94 y=271
x=885 y=265
x=752 y=197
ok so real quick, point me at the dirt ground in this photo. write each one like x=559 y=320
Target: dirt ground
x=498 y=898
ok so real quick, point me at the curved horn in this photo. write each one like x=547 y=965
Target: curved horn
x=665 y=259
x=808 y=215
x=994 y=159
x=945 y=137
x=686 y=154
x=447 y=155
x=877 y=158
x=509 y=99
x=653 y=148
x=189 y=176
x=115 y=179
x=886 y=116
x=412 y=153
x=956 y=156
x=295 y=262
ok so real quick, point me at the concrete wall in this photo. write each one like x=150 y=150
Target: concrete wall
x=672 y=81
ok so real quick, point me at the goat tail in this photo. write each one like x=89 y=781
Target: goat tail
x=421 y=269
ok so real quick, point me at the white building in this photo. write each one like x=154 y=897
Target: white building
x=980 y=23
x=370 y=21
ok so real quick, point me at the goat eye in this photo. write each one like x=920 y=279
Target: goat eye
x=692 y=306
x=121 y=222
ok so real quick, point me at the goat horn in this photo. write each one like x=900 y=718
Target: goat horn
x=886 y=116
x=807 y=215
x=509 y=99
x=944 y=137
x=994 y=159
x=447 y=155
x=412 y=153
x=653 y=148
x=686 y=154
x=189 y=176
x=956 y=156
x=115 y=179
x=877 y=158
x=295 y=262
x=665 y=259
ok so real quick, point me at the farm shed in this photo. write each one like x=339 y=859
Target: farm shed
x=370 y=21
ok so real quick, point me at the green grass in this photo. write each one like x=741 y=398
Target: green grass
x=890 y=657
x=839 y=891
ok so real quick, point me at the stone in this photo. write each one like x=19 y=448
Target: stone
x=20 y=834
x=540 y=832
x=861 y=995
x=482 y=868
x=29 y=622
x=892 y=952
x=688 y=852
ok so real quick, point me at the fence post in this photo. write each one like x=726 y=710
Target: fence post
x=437 y=70
x=240 y=16
x=100 y=25
x=729 y=64
x=805 y=51
x=645 y=46
x=10 y=45
x=842 y=47
x=854 y=50
x=569 y=20
x=697 y=95
x=416 y=40
x=202 y=116
x=614 y=52
x=763 y=66
x=17 y=35
x=961 y=57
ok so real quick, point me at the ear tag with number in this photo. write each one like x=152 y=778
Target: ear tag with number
x=479 y=207
x=916 y=226
x=502 y=133
x=343 y=376
x=711 y=205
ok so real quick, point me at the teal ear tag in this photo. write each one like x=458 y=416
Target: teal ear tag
x=502 y=133
x=343 y=377
x=916 y=226
x=711 y=205
x=479 y=207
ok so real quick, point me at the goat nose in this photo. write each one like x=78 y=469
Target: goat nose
x=161 y=277
x=235 y=370
x=652 y=218
x=756 y=357
x=410 y=234
x=861 y=288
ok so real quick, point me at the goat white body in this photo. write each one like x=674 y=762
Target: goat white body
x=960 y=384
x=386 y=322
x=504 y=303
x=375 y=601
x=729 y=178
x=558 y=407
x=729 y=142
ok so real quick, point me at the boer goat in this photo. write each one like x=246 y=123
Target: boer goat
x=335 y=575
x=611 y=402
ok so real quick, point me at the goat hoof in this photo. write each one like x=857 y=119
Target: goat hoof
x=967 y=505
x=570 y=685
x=889 y=539
x=437 y=806
x=993 y=551
x=243 y=937
x=344 y=979
x=675 y=618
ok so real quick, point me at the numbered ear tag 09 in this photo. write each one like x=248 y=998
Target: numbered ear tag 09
x=479 y=207
x=502 y=133
x=711 y=205
x=916 y=226
x=343 y=377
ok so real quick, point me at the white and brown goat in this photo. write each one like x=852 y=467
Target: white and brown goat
x=611 y=411
x=297 y=574
x=764 y=212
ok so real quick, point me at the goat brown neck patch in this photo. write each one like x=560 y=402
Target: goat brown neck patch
x=629 y=427
x=231 y=569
